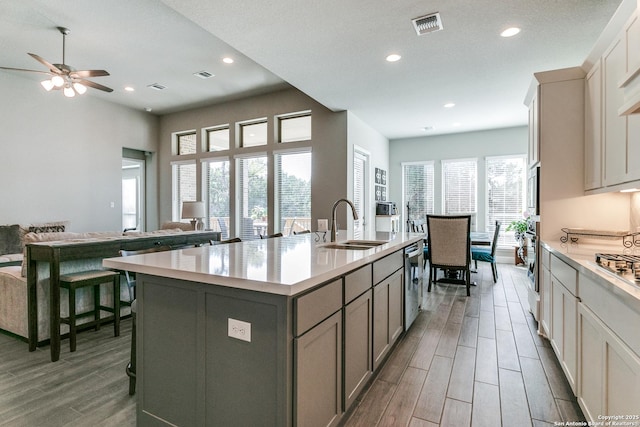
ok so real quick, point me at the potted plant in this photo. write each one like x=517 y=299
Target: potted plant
x=519 y=228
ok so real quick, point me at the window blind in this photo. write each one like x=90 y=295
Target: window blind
x=459 y=186
x=185 y=188
x=293 y=192
x=418 y=189
x=217 y=179
x=252 y=197
x=505 y=194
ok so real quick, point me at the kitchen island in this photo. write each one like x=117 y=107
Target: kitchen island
x=275 y=332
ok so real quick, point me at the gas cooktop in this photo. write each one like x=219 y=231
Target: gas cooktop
x=626 y=267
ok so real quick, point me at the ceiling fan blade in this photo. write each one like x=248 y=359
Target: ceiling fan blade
x=88 y=73
x=24 y=69
x=94 y=85
x=46 y=63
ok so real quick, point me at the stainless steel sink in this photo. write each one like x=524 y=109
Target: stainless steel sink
x=370 y=243
x=354 y=244
x=343 y=246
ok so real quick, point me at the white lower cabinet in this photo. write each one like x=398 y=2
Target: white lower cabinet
x=609 y=371
x=564 y=311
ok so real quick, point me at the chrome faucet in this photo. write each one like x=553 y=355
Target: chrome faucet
x=334 y=231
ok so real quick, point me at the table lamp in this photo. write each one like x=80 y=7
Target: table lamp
x=193 y=211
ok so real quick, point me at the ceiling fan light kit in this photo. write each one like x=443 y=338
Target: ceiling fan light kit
x=65 y=77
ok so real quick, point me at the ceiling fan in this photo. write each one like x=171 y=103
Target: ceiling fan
x=65 y=77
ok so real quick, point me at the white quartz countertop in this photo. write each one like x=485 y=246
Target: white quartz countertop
x=581 y=256
x=283 y=266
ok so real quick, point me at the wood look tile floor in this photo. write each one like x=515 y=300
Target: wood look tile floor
x=471 y=361
x=466 y=361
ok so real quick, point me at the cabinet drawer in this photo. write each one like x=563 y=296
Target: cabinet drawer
x=357 y=283
x=387 y=265
x=566 y=274
x=312 y=308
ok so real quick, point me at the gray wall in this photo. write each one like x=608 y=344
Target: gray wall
x=61 y=158
x=329 y=142
x=361 y=136
x=497 y=142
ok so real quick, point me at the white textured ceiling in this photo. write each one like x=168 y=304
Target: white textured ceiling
x=333 y=50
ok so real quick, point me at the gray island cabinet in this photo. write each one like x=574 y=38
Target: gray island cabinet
x=278 y=332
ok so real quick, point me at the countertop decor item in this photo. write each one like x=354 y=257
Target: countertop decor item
x=572 y=235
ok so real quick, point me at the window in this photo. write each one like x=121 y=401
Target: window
x=295 y=128
x=459 y=186
x=253 y=134
x=418 y=189
x=186 y=143
x=184 y=186
x=252 y=199
x=293 y=191
x=505 y=194
x=218 y=139
x=217 y=184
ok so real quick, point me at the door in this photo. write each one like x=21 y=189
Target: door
x=133 y=172
x=360 y=191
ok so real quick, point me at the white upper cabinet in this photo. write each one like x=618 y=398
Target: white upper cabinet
x=615 y=126
x=534 y=129
x=593 y=129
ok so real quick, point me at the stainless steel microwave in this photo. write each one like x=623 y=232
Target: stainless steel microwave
x=386 y=208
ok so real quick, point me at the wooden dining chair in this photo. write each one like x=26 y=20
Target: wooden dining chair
x=488 y=253
x=449 y=248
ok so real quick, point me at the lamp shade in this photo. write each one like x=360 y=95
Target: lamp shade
x=192 y=210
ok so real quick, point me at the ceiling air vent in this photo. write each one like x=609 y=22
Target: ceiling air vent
x=157 y=86
x=203 y=74
x=427 y=24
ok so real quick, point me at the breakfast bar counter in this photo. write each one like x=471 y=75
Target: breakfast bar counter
x=276 y=332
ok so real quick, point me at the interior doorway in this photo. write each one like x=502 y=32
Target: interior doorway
x=133 y=194
x=360 y=192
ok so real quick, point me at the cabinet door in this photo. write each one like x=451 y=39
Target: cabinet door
x=615 y=126
x=570 y=338
x=622 y=378
x=318 y=374
x=387 y=315
x=593 y=129
x=546 y=296
x=534 y=134
x=556 y=317
x=358 y=366
x=609 y=381
x=590 y=362
x=565 y=339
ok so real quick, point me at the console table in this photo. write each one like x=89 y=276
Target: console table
x=57 y=252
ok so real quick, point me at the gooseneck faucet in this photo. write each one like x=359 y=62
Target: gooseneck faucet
x=334 y=231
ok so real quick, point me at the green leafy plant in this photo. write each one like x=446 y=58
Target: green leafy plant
x=519 y=226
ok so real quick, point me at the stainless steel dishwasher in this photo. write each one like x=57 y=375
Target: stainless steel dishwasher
x=413 y=273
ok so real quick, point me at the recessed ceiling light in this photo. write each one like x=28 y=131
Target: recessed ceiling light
x=227 y=60
x=129 y=89
x=510 y=32
x=457 y=124
x=449 y=105
x=148 y=109
x=393 y=57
